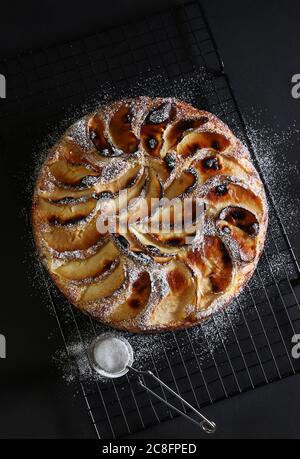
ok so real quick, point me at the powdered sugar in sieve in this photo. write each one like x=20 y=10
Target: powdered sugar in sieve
x=110 y=356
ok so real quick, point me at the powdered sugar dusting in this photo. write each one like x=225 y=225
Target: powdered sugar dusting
x=78 y=133
x=113 y=169
x=213 y=334
x=280 y=175
x=157 y=352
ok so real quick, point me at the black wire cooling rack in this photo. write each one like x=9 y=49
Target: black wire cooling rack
x=170 y=53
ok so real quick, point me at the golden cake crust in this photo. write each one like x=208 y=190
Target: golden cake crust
x=149 y=281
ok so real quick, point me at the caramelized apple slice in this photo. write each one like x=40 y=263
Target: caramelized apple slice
x=172 y=239
x=70 y=174
x=90 y=267
x=154 y=189
x=175 y=133
x=214 y=265
x=160 y=168
x=58 y=194
x=230 y=194
x=182 y=185
x=113 y=206
x=195 y=141
x=154 y=125
x=68 y=150
x=127 y=241
x=64 y=213
x=242 y=219
x=126 y=180
x=120 y=130
x=153 y=246
x=96 y=129
x=146 y=204
x=176 y=215
x=242 y=227
x=180 y=302
x=170 y=228
x=216 y=164
x=136 y=302
x=73 y=237
x=246 y=245
x=105 y=287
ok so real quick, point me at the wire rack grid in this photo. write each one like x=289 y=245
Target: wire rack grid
x=239 y=349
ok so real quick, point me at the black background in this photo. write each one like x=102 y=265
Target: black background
x=259 y=42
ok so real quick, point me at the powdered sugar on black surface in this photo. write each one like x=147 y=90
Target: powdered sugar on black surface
x=215 y=333
x=282 y=177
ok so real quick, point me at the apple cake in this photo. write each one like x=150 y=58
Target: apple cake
x=161 y=152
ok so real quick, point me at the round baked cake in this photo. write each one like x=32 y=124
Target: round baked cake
x=143 y=275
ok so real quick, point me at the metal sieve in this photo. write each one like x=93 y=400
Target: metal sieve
x=123 y=352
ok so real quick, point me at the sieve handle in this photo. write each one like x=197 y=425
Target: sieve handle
x=209 y=427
